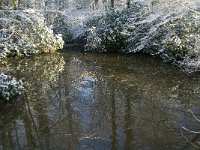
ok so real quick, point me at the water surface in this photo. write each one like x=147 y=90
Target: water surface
x=87 y=101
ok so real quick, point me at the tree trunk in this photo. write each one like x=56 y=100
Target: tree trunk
x=112 y=4
x=96 y=2
x=15 y=4
x=113 y=119
x=14 y=25
x=18 y=5
x=128 y=2
x=1 y=5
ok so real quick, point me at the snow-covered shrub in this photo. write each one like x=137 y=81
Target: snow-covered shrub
x=60 y=23
x=113 y=29
x=9 y=87
x=182 y=45
x=24 y=32
x=93 y=41
x=106 y=33
x=171 y=33
x=71 y=23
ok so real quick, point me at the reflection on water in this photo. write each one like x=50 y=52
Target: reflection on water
x=78 y=101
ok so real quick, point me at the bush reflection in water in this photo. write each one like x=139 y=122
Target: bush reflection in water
x=96 y=101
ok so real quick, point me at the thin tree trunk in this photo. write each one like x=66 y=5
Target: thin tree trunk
x=1 y=5
x=15 y=4
x=113 y=119
x=18 y=4
x=29 y=132
x=96 y=3
x=32 y=120
x=70 y=122
x=128 y=3
x=14 y=26
x=128 y=126
x=112 y=4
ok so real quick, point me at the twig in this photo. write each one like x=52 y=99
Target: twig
x=194 y=115
x=184 y=128
x=188 y=140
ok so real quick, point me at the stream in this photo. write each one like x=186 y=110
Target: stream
x=89 y=101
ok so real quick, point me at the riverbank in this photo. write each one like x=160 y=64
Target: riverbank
x=141 y=28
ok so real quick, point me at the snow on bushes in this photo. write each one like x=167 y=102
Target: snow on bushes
x=107 y=36
x=60 y=23
x=9 y=87
x=174 y=34
x=24 y=32
x=71 y=23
